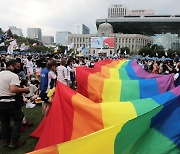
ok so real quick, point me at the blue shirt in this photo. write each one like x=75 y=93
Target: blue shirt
x=44 y=80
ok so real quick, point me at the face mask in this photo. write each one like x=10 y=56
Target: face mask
x=17 y=71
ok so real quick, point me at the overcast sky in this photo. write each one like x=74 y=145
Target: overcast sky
x=62 y=15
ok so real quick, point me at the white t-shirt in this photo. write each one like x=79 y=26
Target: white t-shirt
x=8 y=78
x=62 y=74
x=69 y=69
x=51 y=75
x=29 y=66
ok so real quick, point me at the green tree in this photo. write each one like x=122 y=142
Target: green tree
x=145 y=51
x=123 y=49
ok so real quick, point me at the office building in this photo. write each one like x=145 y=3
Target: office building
x=47 y=40
x=16 y=31
x=119 y=10
x=62 y=37
x=116 y=11
x=81 y=29
x=34 y=33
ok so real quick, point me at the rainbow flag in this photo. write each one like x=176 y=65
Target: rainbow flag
x=124 y=124
x=152 y=120
x=73 y=116
x=157 y=131
x=95 y=86
x=123 y=69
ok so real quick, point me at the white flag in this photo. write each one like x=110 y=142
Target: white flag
x=23 y=47
x=11 y=46
x=56 y=49
x=79 y=49
x=166 y=54
x=70 y=46
x=156 y=54
x=100 y=50
x=2 y=44
x=65 y=52
x=125 y=52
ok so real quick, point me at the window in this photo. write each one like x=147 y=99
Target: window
x=110 y=52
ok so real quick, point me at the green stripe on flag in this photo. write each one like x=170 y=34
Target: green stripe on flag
x=143 y=106
x=130 y=91
x=134 y=137
x=123 y=75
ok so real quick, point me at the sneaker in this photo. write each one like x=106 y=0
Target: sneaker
x=16 y=144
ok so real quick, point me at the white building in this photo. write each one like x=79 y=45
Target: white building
x=81 y=29
x=16 y=31
x=34 y=33
x=62 y=37
x=47 y=40
x=117 y=10
x=133 y=41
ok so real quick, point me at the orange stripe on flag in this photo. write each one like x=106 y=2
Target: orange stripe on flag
x=87 y=116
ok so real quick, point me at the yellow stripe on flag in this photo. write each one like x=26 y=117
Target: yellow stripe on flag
x=101 y=142
x=111 y=93
x=122 y=112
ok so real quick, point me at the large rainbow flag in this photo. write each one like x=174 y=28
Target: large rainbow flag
x=96 y=87
x=73 y=115
x=157 y=131
x=123 y=124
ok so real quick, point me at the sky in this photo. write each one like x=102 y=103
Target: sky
x=62 y=15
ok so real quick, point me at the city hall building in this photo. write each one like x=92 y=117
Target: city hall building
x=94 y=42
x=164 y=29
x=132 y=29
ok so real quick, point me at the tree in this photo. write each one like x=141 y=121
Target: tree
x=123 y=49
x=145 y=51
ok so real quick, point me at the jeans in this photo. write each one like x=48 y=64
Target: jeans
x=10 y=110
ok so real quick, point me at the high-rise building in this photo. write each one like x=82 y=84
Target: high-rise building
x=119 y=10
x=116 y=11
x=34 y=33
x=47 y=40
x=16 y=31
x=81 y=29
x=62 y=37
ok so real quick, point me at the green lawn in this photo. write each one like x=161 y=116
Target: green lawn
x=34 y=115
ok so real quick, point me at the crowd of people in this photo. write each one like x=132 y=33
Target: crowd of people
x=26 y=78
x=162 y=67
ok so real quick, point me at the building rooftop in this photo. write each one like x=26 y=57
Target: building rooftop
x=148 y=25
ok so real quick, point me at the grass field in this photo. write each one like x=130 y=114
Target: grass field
x=34 y=115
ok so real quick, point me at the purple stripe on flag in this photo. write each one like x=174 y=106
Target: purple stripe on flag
x=176 y=91
x=140 y=72
x=165 y=83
